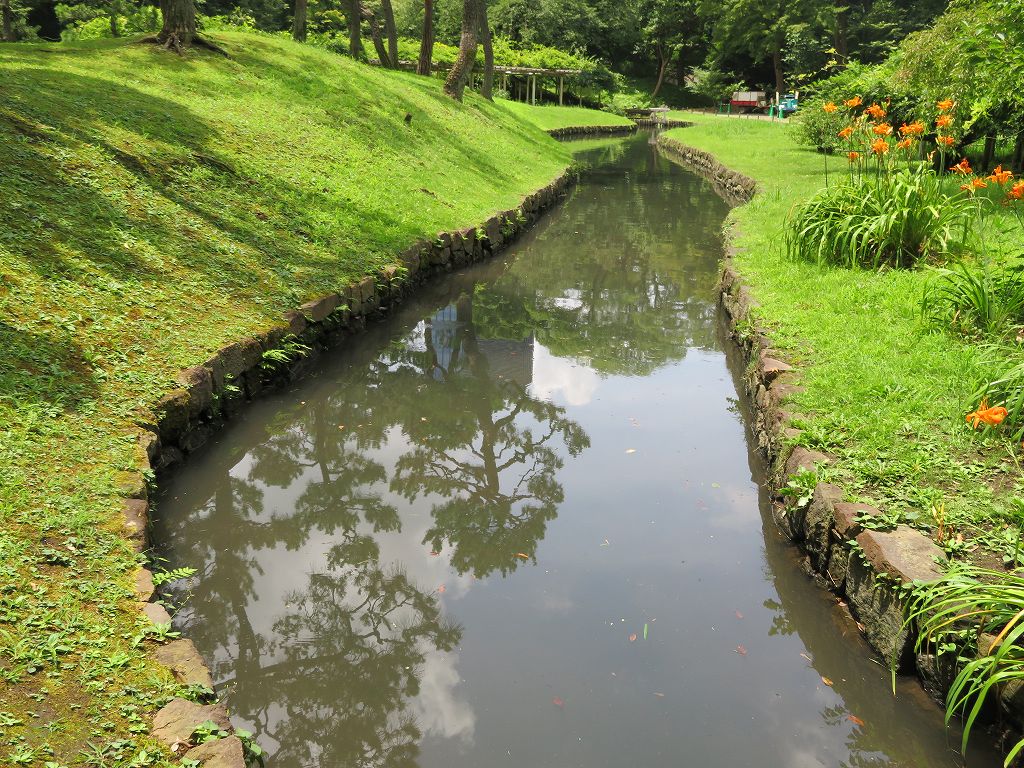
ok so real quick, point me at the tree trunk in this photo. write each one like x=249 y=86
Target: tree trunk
x=355 y=44
x=7 y=21
x=780 y=82
x=841 y=38
x=179 y=23
x=299 y=21
x=1018 y=153
x=487 y=90
x=455 y=85
x=426 y=61
x=662 y=66
x=115 y=31
x=390 y=31
x=989 y=155
x=378 y=41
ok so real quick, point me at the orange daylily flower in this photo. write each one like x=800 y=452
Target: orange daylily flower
x=944 y=121
x=856 y=101
x=963 y=167
x=992 y=417
x=855 y=156
x=916 y=128
x=846 y=133
x=905 y=143
x=1016 y=192
x=945 y=105
x=974 y=184
x=876 y=111
x=830 y=107
x=999 y=176
x=883 y=129
x=880 y=146
x=946 y=141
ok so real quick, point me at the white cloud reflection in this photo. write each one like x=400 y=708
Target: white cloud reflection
x=568 y=380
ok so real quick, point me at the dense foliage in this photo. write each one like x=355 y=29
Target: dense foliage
x=714 y=45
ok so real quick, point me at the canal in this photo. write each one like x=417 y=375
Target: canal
x=519 y=524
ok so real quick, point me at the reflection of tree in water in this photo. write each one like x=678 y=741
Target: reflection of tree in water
x=781 y=624
x=332 y=676
x=488 y=448
x=349 y=649
x=623 y=303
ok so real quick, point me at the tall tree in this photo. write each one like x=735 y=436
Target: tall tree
x=759 y=27
x=299 y=20
x=179 y=28
x=378 y=41
x=472 y=15
x=487 y=91
x=426 y=62
x=354 y=16
x=390 y=31
x=7 y=21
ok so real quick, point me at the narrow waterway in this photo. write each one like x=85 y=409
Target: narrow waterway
x=519 y=524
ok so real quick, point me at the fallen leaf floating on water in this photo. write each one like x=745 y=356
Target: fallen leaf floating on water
x=558 y=701
x=741 y=650
x=659 y=694
x=645 y=631
x=631 y=450
x=855 y=720
x=739 y=615
x=441 y=588
x=826 y=681
x=632 y=638
x=807 y=657
x=606 y=543
x=522 y=555
x=434 y=554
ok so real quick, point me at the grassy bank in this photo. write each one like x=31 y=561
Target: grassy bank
x=550 y=117
x=885 y=392
x=157 y=208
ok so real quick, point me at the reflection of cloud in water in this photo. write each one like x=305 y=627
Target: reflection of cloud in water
x=574 y=381
x=438 y=708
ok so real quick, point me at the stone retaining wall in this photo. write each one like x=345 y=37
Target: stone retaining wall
x=865 y=567
x=593 y=130
x=210 y=394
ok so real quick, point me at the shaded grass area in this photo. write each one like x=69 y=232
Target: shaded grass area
x=156 y=208
x=885 y=392
x=550 y=117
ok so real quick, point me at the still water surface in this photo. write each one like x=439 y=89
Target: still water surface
x=519 y=524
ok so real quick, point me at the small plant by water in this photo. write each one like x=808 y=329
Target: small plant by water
x=978 y=615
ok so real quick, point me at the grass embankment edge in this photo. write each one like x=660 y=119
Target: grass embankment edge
x=861 y=552
x=160 y=208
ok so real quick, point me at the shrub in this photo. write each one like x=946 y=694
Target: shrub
x=975 y=299
x=950 y=612
x=817 y=128
x=896 y=221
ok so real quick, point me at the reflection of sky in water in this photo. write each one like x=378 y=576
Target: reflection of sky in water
x=561 y=380
x=561 y=427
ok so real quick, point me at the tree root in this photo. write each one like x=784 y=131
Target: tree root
x=173 y=43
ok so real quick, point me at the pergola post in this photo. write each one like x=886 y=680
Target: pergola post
x=561 y=90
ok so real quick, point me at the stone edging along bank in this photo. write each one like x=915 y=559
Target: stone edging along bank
x=614 y=130
x=592 y=130
x=866 y=567
x=210 y=394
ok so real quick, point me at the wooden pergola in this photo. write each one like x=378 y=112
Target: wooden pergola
x=530 y=75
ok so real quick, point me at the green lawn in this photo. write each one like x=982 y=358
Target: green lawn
x=549 y=117
x=884 y=392
x=157 y=207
